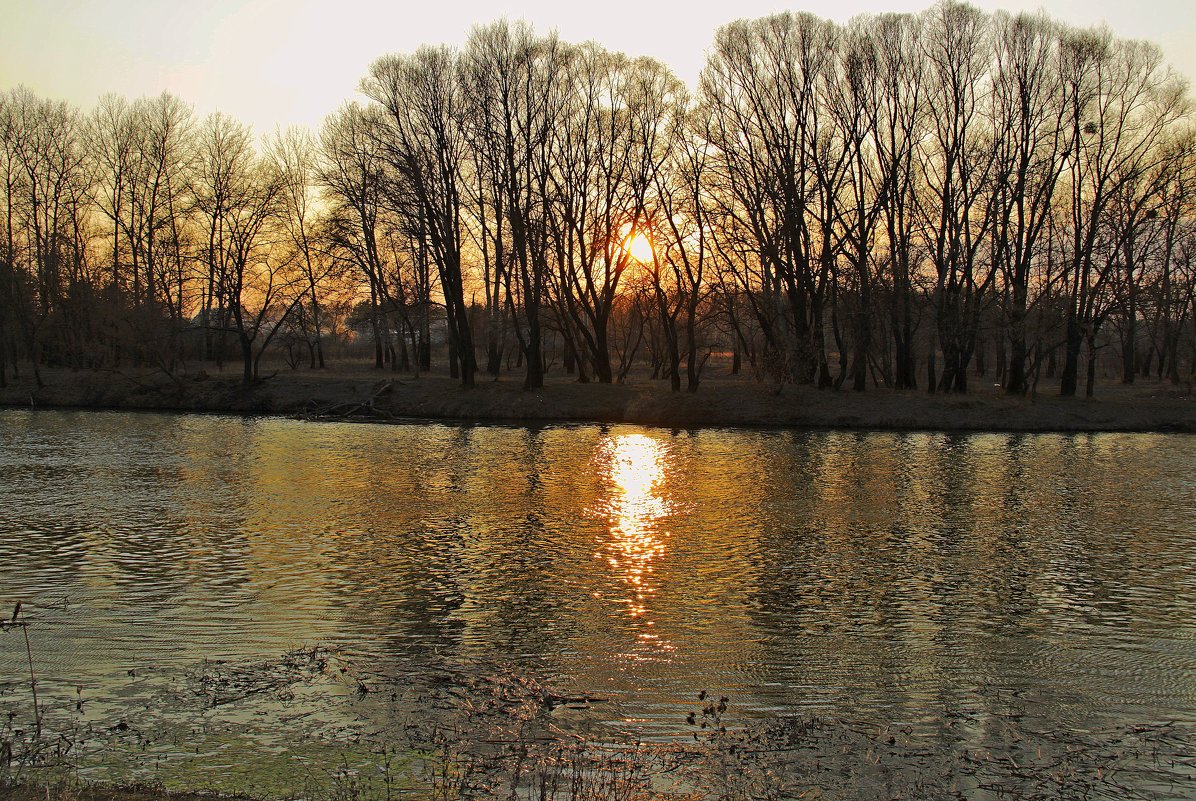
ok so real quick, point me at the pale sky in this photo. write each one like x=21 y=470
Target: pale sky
x=285 y=62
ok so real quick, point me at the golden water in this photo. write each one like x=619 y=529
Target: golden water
x=884 y=576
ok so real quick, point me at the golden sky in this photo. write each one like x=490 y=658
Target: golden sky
x=287 y=62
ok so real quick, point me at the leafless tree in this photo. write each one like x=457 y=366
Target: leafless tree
x=423 y=143
x=678 y=229
x=293 y=154
x=512 y=83
x=778 y=177
x=47 y=190
x=957 y=164
x=1122 y=102
x=1029 y=101
x=353 y=174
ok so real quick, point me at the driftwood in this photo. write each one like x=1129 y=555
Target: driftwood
x=368 y=408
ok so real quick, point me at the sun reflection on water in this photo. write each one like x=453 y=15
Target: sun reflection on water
x=633 y=468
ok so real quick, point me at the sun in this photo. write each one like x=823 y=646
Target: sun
x=640 y=247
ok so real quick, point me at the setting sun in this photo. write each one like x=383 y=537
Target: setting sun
x=640 y=247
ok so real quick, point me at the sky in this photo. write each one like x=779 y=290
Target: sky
x=292 y=62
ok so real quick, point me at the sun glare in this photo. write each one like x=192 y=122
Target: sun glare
x=640 y=247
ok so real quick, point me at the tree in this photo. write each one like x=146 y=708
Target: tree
x=609 y=151
x=1121 y=104
x=957 y=163
x=512 y=84
x=677 y=226
x=47 y=187
x=293 y=156
x=899 y=99
x=1029 y=102
x=422 y=141
x=777 y=178
x=250 y=289
x=353 y=174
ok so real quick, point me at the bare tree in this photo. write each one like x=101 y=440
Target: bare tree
x=250 y=288
x=899 y=99
x=353 y=175
x=678 y=229
x=168 y=153
x=10 y=278
x=957 y=163
x=1122 y=103
x=141 y=152
x=48 y=185
x=608 y=152
x=1029 y=101
x=1170 y=293
x=293 y=156
x=778 y=177
x=423 y=143
x=854 y=99
x=511 y=80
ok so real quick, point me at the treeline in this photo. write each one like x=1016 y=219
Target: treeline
x=892 y=201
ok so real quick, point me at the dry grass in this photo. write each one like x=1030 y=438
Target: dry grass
x=484 y=736
x=349 y=391
x=99 y=793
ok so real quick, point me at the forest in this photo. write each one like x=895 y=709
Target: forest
x=905 y=201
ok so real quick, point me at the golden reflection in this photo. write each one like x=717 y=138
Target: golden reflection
x=633 y=466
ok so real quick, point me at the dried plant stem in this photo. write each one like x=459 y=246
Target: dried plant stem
x=37 y=710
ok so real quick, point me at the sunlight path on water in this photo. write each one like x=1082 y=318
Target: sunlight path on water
x=635 y=468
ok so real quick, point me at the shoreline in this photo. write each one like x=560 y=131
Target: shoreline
x=35 y=791
x=354 y=394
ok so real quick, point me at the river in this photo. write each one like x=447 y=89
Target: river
x=866 y=575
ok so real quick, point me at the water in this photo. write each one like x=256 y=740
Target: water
x=876 y=576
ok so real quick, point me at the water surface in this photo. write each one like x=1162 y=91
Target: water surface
x=876 y=576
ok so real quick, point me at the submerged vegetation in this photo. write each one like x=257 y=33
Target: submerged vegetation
x=905 y=200
x=463 y=735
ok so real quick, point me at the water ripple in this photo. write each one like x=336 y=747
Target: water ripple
x=854 y=573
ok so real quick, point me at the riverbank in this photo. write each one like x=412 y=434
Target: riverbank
x=353 y=392
x=64 y=792
x=791 y=758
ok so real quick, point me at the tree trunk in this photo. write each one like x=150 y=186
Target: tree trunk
x=379 y=355
x=1128 y=343
x=1071 y=361
x=1091 y=382
x=247 y=375
x=931 y=368
x=602 y=366
x=534 y=355
x=863 y=337
x=493 y=354
x=570 y=357
x=692 y=367
x=674 y=363
x=1015 y=378
x=315 y=310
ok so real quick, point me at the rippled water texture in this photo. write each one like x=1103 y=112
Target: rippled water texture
x=882 y=576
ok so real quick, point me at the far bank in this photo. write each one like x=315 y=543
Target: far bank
x=348 y=392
